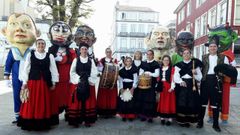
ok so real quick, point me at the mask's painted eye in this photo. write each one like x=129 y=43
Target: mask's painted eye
x=56 y=28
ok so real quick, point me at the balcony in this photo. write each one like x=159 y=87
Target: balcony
x=123 y=34
x=137 y=34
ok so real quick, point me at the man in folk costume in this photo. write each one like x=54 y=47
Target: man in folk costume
x=83 y=76
x=210 y=87
x=227 y=37
x=107 y=97
x=21 y=33
x=39 y=77
x=60 y=35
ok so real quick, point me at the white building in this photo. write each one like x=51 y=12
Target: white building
x=131 y=25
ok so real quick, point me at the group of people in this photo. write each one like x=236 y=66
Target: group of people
x=64 y=79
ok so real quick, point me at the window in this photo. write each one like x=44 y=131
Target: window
x=188 y=27
x=123 y=16
x=181 y=16
x=198 y=28
x=237 y=13
x=141 y=28
x=204 y=25
x=123 y=43
x=189 y=8
x=212 y=17
x=223 y=12
x=132 y=43
x=131 y=16
x=123 y=28
x=199 y=3
x=133 y=28
x=140 y=43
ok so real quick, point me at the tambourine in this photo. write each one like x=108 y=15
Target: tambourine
x=24 y=95
x=126 y=95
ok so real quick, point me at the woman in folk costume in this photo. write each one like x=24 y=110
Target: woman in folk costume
x=186 y=75
x=127 y=83
x=61 y=37
x=40 y=77
x=107 y=97
x=167 y=103
x=137 y=62
x=146 y=97
x=83 y=76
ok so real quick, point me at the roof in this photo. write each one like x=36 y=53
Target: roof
x=180 y=6
x=133 y=8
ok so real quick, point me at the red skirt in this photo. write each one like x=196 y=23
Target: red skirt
x=63 y=86
x=77 y=114
x=107 y=101
x=54 y=106
x=167 y=103
x=35 y=113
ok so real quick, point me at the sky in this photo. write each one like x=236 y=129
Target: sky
x=102 y=18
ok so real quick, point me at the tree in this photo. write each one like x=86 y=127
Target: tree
x=64 y=10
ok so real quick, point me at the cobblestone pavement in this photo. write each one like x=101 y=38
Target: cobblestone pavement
x=115 y=126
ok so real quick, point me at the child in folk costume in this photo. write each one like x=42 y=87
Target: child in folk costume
x=167 y=103
x=107 y=97
x=40 y=77
x=83 y=76
x=61 y=37
x=127 y=83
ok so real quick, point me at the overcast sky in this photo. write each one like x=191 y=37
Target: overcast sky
x=102 y=19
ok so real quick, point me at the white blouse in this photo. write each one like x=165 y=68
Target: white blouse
x=152 y=74
x=53 y=68
x=137 y=62
x=74 y=77
x=213 y=63
x=135 y=79
x=164 y=69
x=178 y=79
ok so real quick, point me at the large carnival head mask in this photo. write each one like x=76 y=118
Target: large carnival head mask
x=226 y=36
x=21 y=31
x=85 y=34
x=159 y=38
x=60 y=34
x=185 y=40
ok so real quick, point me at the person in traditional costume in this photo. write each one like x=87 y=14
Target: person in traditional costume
x=21 y=33
x=186 y=75
x=107 y=97
x=128 y=79
x=146 y=97
x=167 y=103
x=228 y=37
x=137 y=60
x=83 y=76
x=61 y=38
x=210 y=86
x=39 y=78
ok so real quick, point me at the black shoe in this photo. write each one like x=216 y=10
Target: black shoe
x=87 y=125
x=150 y=120
x=124 y=119
x=200 y=125
x=163 y=122
x=216 y=128
x=14 y=122
x=143 y=119
x=187 y=125
x=130 y=119
x=168 y=123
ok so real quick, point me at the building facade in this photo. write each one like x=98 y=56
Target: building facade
x=131 y=25
x=195 y=15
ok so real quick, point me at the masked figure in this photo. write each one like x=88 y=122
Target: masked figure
x=185 y=40
x=21 y=33
x=85 y=34
x=159 y=41
x=226 y=37
x=61 y=37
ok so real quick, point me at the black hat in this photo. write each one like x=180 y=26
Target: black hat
x=83 y=45
x=213 y=40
